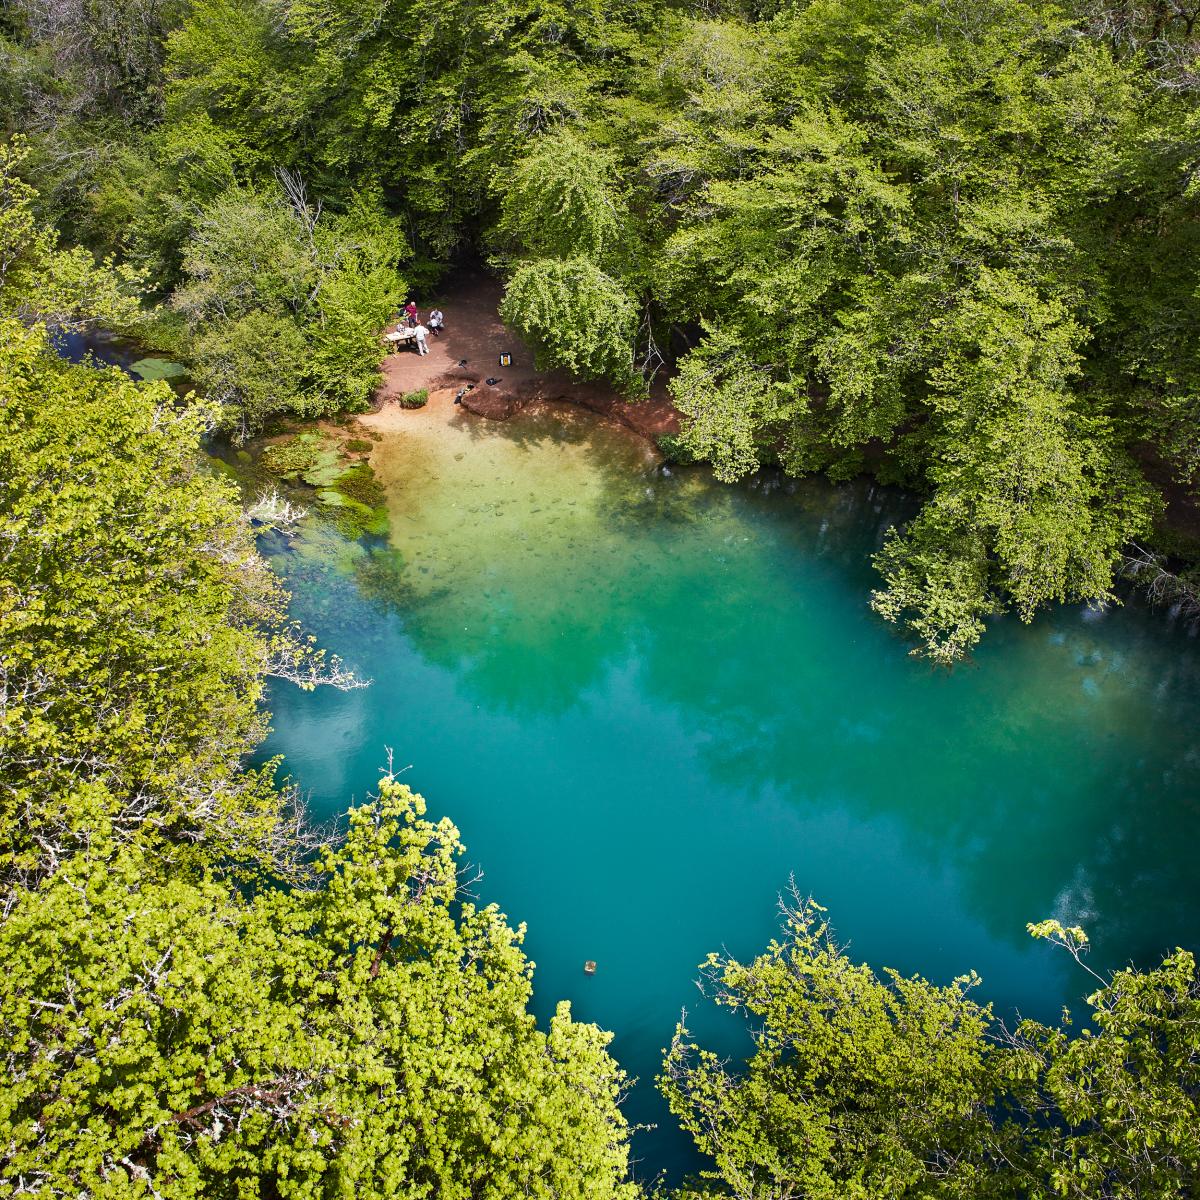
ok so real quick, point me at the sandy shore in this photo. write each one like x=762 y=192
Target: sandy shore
x=467 y=354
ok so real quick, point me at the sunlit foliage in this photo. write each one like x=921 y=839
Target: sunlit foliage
x=368 y=1037
x=864 y=1084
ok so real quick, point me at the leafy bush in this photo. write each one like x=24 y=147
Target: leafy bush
x=672 y=447
x=575 y=316
x=253 y=366
x=415 y=399
x=283 y=302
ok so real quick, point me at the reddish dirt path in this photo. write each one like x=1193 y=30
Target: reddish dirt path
x=474 y=332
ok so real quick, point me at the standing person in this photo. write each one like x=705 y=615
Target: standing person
x=435 y=322
x=411 y=314
x=422 y=340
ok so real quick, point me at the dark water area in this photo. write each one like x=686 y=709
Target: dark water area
x=96 y=345
x=648 y=701
x=103 y=348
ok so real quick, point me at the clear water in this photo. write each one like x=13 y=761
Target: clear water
x=649 y=701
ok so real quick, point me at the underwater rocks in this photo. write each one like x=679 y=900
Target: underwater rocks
x=487 y=402
x=652 y=418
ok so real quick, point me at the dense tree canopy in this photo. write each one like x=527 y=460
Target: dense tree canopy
x=953 y=243
x=367 y=1037
x=129 y=615
x=859 y=1087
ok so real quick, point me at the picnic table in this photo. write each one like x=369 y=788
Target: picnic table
x=400 y=337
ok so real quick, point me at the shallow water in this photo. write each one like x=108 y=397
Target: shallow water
x=647 y=701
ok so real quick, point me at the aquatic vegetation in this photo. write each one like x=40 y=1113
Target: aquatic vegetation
x=359 y=483
x=344 y=487
x=416 y=399
x=157 y=368
x=327 y=467
x=291 y=457
x=354 y=521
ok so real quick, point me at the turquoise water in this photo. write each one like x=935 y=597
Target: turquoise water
x=648 y=701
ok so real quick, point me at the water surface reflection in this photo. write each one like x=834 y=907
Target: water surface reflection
x=647 y=700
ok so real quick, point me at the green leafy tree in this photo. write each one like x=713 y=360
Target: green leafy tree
x=284 y=303
x=37 y=278
x=368 y=1037
x=560 y=202
x=253 y=366
x=1034 y=497
x=858 y=1086
x=864 y=1085
x=136 y=624
x=1113 y=1112
x=575 y=316
x=728 y=399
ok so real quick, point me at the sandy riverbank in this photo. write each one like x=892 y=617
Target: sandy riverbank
x=467 y=354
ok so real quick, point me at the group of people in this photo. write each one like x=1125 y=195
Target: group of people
x=421 y=330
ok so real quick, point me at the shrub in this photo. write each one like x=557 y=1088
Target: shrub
x=414 y=399
x=575 y=317
x=674 y=450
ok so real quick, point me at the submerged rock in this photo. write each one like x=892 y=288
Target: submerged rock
x=485 y=403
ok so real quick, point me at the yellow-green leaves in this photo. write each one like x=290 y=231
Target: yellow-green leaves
x=366 y=1038
x=866 y=1084
x=561 y=201
x=859 y=1085
x=37 y=279
x=131 y=605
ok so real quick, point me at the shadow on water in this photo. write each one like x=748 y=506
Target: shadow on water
x=648 y=699
x=100 y=347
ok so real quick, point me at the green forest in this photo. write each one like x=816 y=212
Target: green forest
x=952 y=244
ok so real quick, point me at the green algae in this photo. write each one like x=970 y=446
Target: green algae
x=291 y=457
x=335 y=499
x=327 y=467
x=151 y=369
x=359 y=484
x=321 y=468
